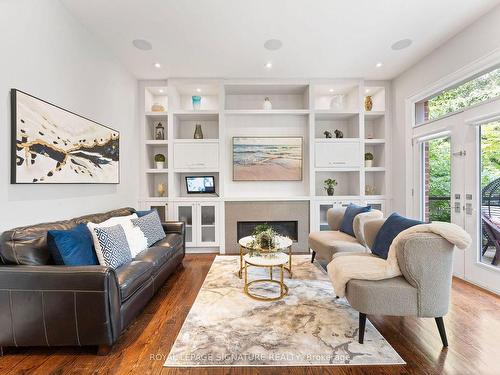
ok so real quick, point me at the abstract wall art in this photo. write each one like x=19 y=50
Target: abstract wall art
x=267 y=159
x=51 y=145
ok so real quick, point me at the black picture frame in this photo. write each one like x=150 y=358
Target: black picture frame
x=14 y=132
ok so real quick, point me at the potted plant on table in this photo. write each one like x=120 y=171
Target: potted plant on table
x=264 y=240
x=160 y=161
x=368 y=160
x=330 y=184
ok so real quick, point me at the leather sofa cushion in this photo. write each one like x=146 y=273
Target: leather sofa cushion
x=327 y=243
x=132 y=276
x=161 y=252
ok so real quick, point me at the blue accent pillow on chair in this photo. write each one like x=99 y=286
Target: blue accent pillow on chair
x=394 y=225
x=350 y=213
x=73 y=247
x=144 y=213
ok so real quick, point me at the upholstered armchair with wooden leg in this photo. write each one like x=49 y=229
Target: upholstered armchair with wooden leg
x=423 y=289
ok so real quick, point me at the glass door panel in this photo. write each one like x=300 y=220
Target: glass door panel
x=436 y=180
x=489 y=158
x=323 y=222
x=185 y=213
x=208 y=223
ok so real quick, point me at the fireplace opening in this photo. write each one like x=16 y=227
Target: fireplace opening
x=284 y=228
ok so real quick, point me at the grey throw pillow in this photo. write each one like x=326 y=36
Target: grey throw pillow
x=113 y=249
x=150 y=225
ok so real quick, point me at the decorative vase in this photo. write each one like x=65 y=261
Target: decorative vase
x=157 y=107
x=337 y=102
x=160 y=164
x=368 y=103
x=330 y=191
x=370 y=190
x=196 y=102
x=161 y=189
x=159 y=132
x=267 y=104
x=368 y=163
x=198 y=133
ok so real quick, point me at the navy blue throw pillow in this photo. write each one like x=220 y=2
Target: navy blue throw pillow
x=350 y=213
x=73 y=247
x=394 y=225
x=144 y=213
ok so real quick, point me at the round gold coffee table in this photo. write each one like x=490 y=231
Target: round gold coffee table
x=271 y=260
x=282 y=244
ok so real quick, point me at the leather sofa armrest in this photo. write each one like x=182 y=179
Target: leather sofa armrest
x=174 y=227
x=81 y=278
x=59 y=305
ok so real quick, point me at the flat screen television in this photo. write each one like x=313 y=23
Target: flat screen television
x=200 y=184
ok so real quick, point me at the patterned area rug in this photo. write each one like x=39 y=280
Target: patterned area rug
x=309 y=326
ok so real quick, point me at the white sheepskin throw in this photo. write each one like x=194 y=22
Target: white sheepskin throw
x=347 y=266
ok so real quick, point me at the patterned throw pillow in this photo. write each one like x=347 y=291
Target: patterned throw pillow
x=112 y=247
x=150 y=225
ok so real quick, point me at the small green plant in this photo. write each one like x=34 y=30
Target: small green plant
x=330 y=184
x=259 y=228
x=160 y=158
x=368 y=156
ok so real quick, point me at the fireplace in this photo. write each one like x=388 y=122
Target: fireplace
x=284 y=228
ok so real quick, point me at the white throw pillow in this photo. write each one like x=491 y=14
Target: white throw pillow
x=135 y=238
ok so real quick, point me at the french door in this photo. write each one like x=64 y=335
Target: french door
x=457 y=179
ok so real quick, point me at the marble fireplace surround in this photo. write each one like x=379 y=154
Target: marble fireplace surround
x=266 y=211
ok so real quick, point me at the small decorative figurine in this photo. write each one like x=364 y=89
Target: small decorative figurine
x=338 y=134
x=327 y=134
x=162 y=189
x=368 y=103
x=159 y=132
x=157 y=107
x=267 y=104
x=198 y=133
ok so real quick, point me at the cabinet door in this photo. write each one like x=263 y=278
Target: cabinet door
x=162 y=208
x=329 y=154
x=323 y=208
x=195 y=155
x=208 y=224
x=186 y=212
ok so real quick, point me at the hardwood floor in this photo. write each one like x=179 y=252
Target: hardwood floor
x=473 y=327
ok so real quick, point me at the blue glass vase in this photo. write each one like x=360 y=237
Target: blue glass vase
x=196 y=102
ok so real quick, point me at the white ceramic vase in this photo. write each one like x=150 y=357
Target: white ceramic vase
x=160 y=164
x=368 y=163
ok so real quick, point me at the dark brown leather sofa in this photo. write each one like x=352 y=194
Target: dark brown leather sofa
x=42 y=304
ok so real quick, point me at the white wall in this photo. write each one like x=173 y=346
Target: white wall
x=47 y=53
x=476 y=41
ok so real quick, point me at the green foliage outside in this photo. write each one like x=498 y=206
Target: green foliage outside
x=475 y=91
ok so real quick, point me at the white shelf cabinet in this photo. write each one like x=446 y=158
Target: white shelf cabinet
x=196 y=155
x=202 y=222
x=320 y=208
x=337 y=154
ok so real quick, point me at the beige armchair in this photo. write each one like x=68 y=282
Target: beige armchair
x=326 y=243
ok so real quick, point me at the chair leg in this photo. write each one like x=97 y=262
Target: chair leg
x=313 y=256
x=362 y=324
x=103 y=349
x=442 y=331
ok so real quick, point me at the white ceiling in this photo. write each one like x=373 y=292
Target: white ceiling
x=321 y=38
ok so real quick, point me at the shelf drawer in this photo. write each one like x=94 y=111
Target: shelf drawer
x=338 y=155
x=196 y=155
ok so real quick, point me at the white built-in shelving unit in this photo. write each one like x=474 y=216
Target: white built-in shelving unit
x=233 y=108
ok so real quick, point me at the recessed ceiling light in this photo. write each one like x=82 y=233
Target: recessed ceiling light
x=269 y=65
x=378 y=65
x=160 y=91
x=367 y=91
x=198 y=90
x=273 y=44
x=157 y=65
x=142 y=44
x=401 y=44
x=331 y=90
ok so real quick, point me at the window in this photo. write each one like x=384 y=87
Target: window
x=476 y=90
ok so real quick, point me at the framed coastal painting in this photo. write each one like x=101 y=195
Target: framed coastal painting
x=51 y=145
x=267 y=158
